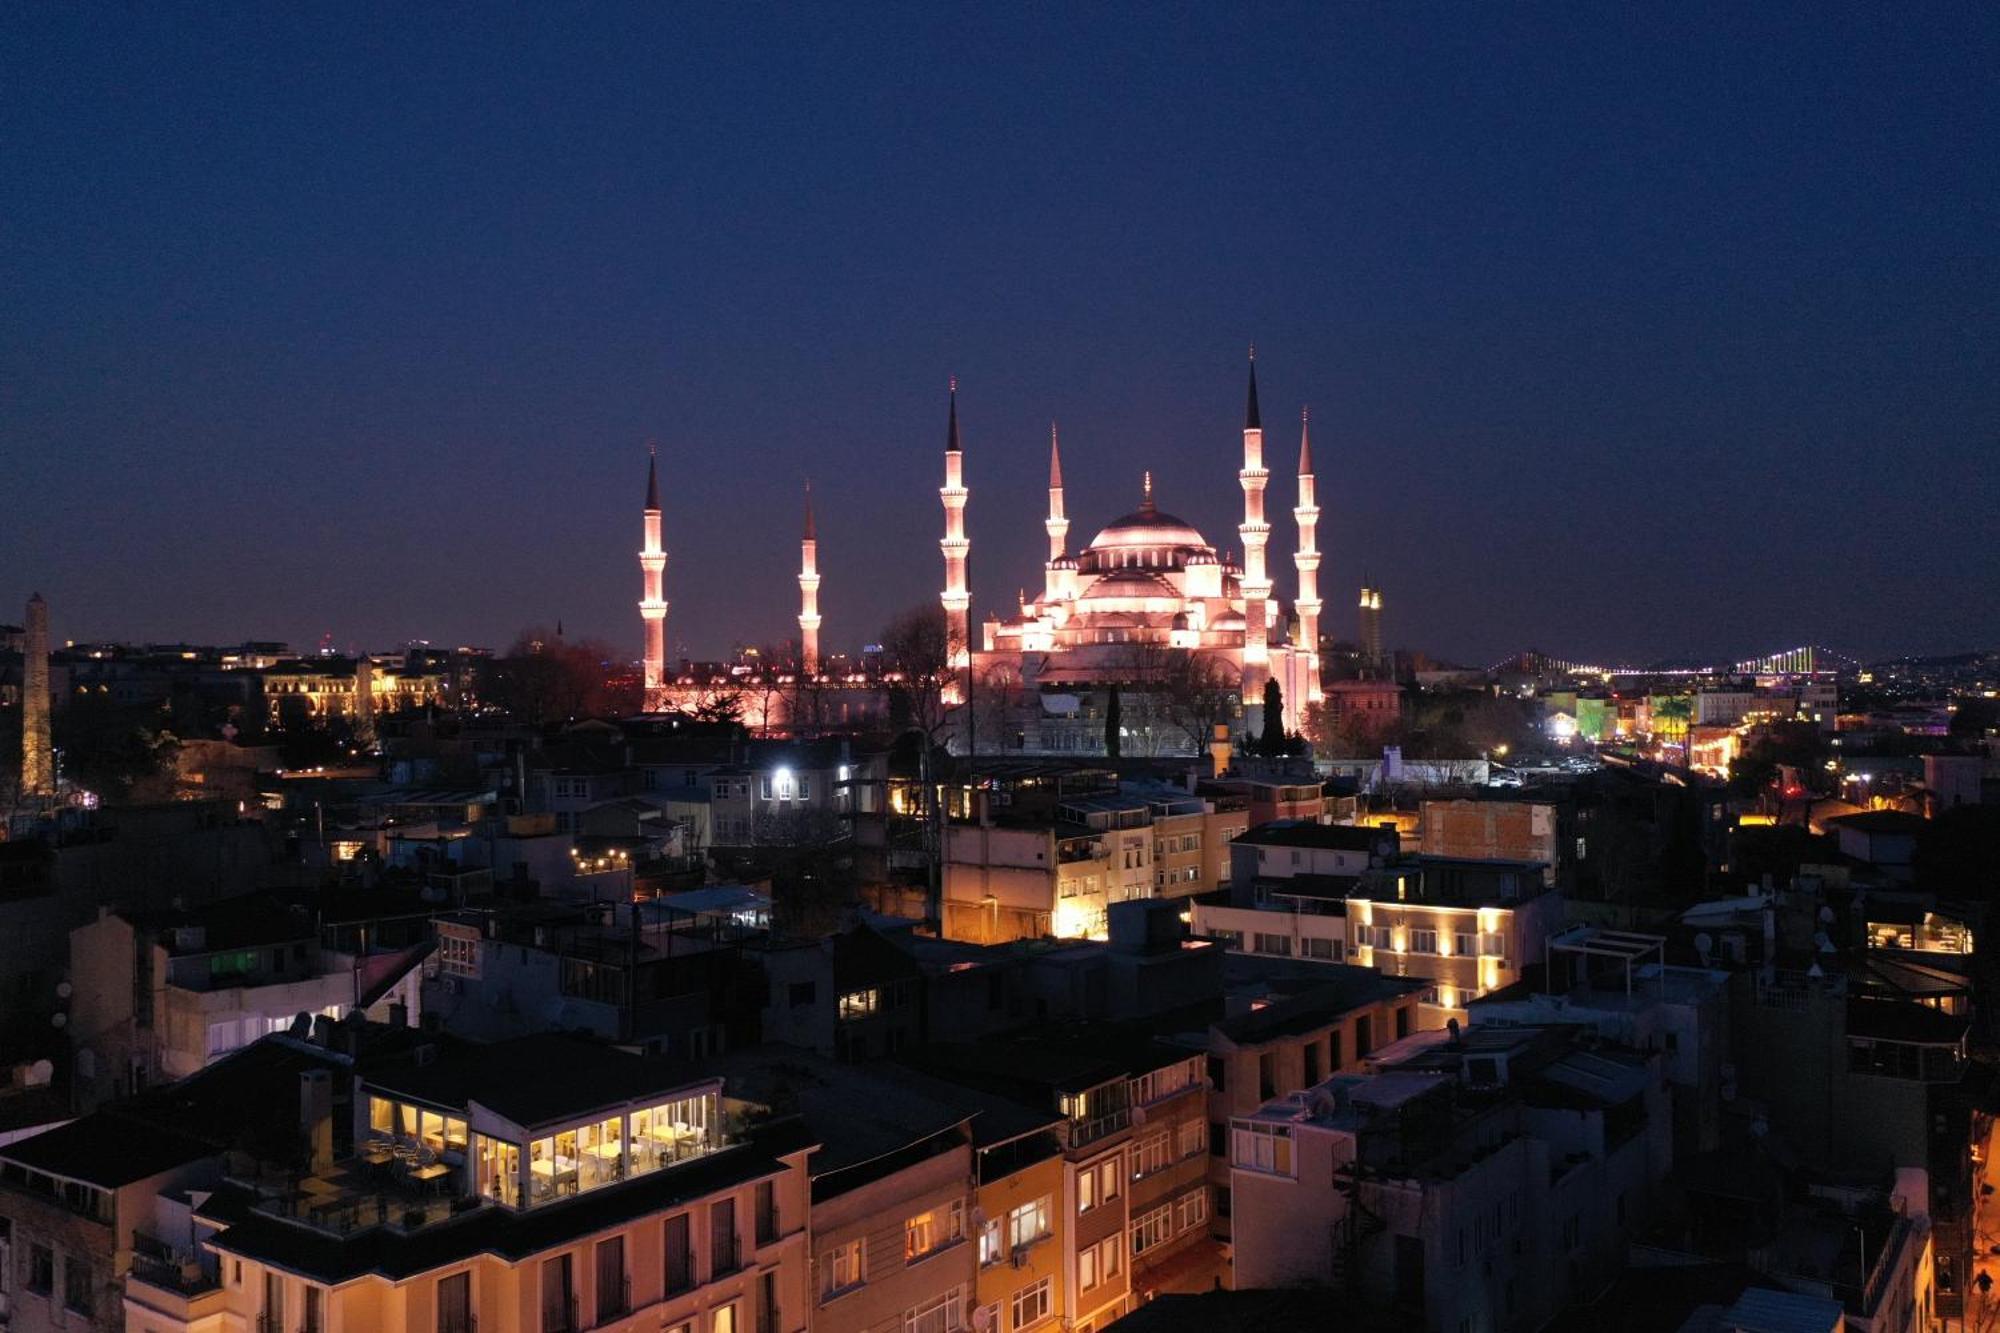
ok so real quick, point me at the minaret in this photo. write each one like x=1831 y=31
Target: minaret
x=38 y=763
x=809 y=593
x=1057 y=523
x=1307 y=561
x=1255 y=582
x=1371 y=626
x=957 y=600
x=653 y=606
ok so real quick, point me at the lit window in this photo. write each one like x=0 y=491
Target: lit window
x=932 y=1230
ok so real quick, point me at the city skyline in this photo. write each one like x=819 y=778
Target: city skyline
x=1594 y=365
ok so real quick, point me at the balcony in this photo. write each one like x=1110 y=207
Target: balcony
x=355 y=1196
x=162 y=1284
x=615 y=1302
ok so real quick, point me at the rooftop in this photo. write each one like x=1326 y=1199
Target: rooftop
x=1306 y=833
x=535 y=1080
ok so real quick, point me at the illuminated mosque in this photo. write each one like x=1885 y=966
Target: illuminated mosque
x=1148 y=586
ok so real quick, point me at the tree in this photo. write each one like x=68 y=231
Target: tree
x=119 y=751
x=918 y=647
x=1114 y=726
x=544 y=678
x=1198 y=695
x=1272 y=743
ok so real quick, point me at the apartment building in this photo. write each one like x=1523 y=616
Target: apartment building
x=1286 y=1031
x=893 y=1194
x=1134 y=1197
x=546 y=1185
x=1480 y=1181
x=157 y=995
x=1024 y=872
x=1467 y=927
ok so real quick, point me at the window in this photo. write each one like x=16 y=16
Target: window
x=558 y=1297
x=1262 y=1147
x=614 y=1295
x=1152 y=1227
x=1153 y=1153
x=458 y=955
x=41 y=1269
x=992 y=1242
x=78 y=1289
x=1423 y=941
x=844 y=1269
x=1191 y=1140
x=1031 y=1304
x=933 y=1229
x=454 y=1304
x=859 y=1004
x=1098 y=1264
x=1191 y=1210
x=1464 y=943
x=1312 y=1072
x=679 y=1254
x=497 y=1170
x=946 y=1314
x=1326 y=950
x=722 y=1237
x=723 y=1320
x=1096 y=1185
x=1028 y=1223
x=312 y=1319
x=1281 y=945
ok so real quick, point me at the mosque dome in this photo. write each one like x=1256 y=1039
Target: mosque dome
x=1149 y=528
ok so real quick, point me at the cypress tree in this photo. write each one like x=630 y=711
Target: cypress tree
x=1113 y=728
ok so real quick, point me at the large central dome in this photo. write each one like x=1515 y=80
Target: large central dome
x=1147 y=527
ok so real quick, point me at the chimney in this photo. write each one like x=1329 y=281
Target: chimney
x=316 y=1118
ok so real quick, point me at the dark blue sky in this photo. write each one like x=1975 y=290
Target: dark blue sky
x=1628 y=330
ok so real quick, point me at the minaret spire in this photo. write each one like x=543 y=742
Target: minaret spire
x=1255 y=582
x=809 y=592
x=1306 y=561
x=1252 y=420
x=1056 y=524
x=956 y=598
x=653 y=606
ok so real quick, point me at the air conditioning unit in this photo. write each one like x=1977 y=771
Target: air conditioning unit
x=1138 y=1115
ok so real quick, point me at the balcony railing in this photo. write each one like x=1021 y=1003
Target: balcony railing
x=562 y=1317
x=615 y=1303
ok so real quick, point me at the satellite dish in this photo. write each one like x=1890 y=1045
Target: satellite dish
x=1825 y=913
x=64 y=990
x=982 y=1319
x=59 y=1019
x=40 y=1072
x=1702 y=944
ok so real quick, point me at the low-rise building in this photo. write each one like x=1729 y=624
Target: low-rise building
x=158 y=995
x=1477 y=1181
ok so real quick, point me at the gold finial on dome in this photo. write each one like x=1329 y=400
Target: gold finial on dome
x=1146 y=497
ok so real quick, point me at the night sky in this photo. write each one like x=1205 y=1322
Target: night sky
x=1627 y=330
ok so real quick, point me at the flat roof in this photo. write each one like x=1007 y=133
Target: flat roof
x=538 y=1079
x=107 y=1151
